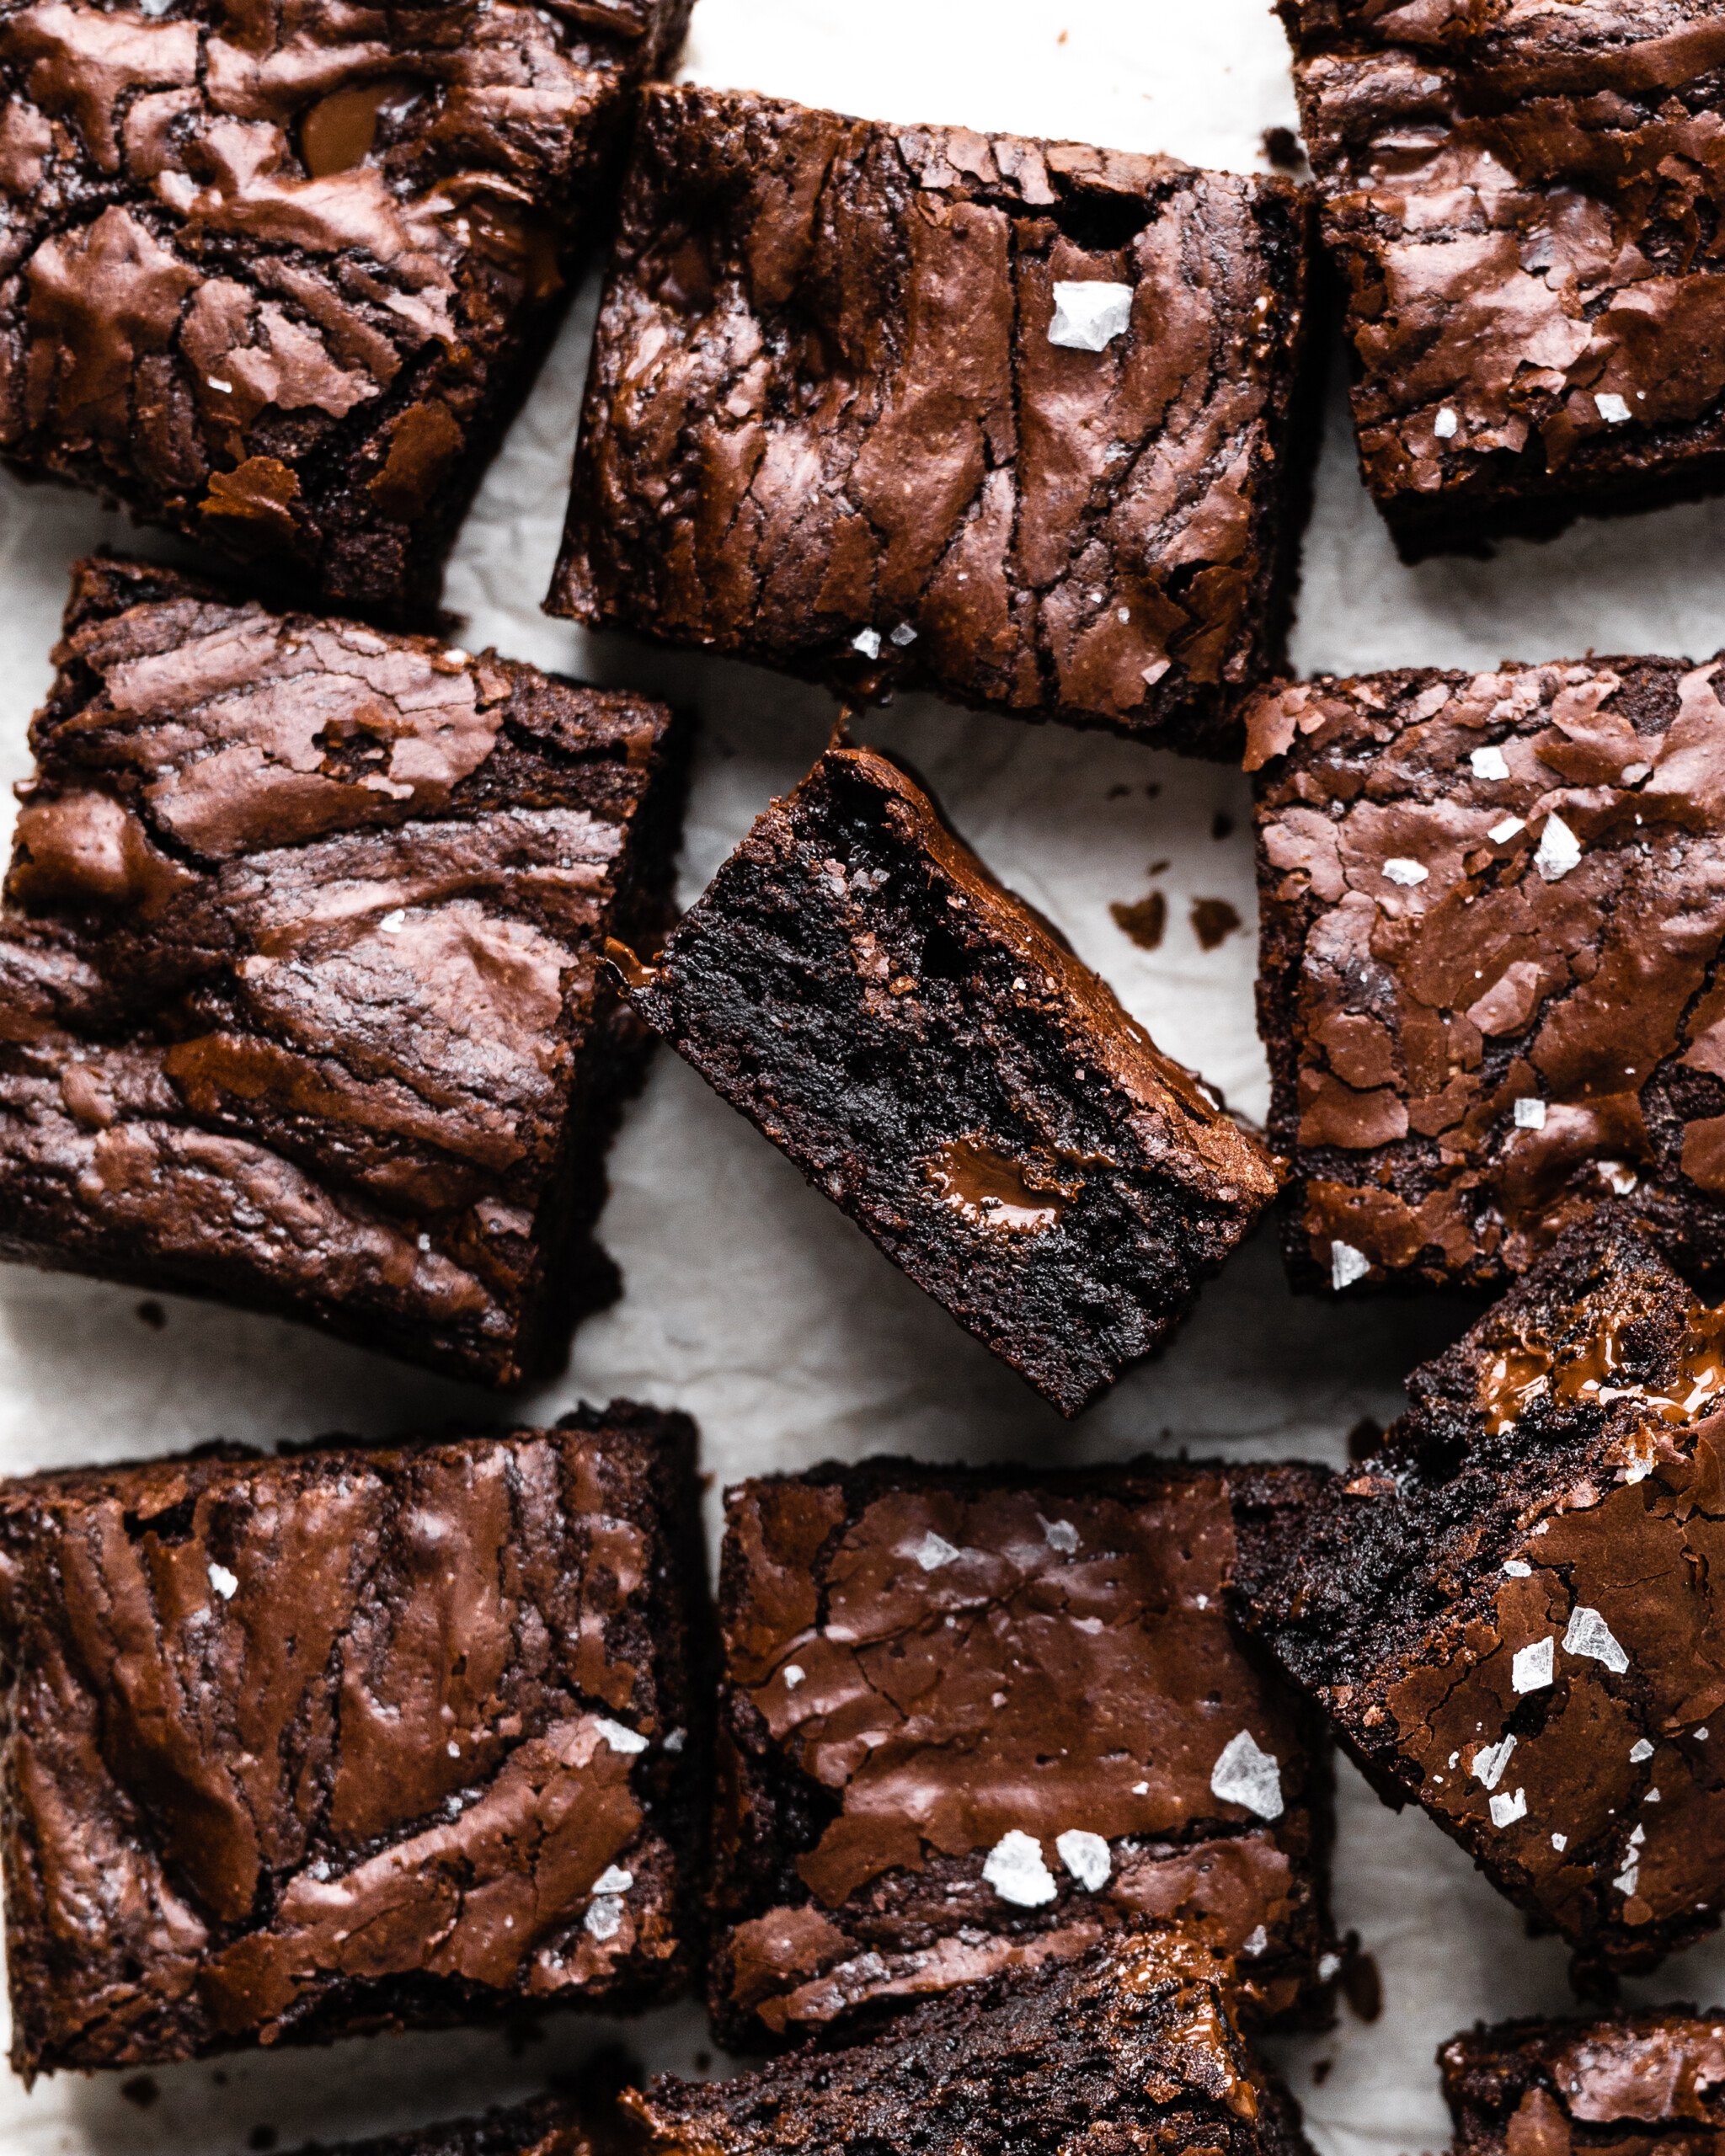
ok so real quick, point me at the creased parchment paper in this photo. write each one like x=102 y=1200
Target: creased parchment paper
x=748 y=1299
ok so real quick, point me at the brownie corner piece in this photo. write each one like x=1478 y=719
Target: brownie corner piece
x=1517 y=200
x=303 y=1000
x=346 y=1739
x=1023 y=422
x=1136 y=2046
x=935 y=1058
x=973 y=1721
x=1491 y=932
x=1506 y=1613
x=1563 y=2087
x=278 y=281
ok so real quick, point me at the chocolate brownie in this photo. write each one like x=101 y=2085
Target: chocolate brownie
x=1649 y=2082
x=547 y=2127
x=917 y=407
x=932 y=1056
x=275 y=273
x=1492 y=912
x=301 y=997
x=1521 y=198
x=1512 y=1613
x=350 y=1739
x=972 y=1722
x=1133 y=2047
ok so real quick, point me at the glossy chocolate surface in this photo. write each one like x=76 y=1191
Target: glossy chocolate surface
x=301 y=998
x=834 y=423
x=345 y=1740
x=974 y=1723
x=1651 y=2082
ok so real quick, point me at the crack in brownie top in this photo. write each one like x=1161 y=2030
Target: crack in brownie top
x=1493 y=907
x=1524 y=196
x=300 y=994
x=839 y=420
x=270 y=271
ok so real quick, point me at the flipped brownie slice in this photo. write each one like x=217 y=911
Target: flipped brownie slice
x=913 y=407
x=1133 y=2047
x=1512 y=1613
x=1652 y=2082
x=974 y=1722
x=277 y=276
x=350 y=1740
x=933 y=1057
x=1520 y=199
x=1492 y=909
x=301 y=998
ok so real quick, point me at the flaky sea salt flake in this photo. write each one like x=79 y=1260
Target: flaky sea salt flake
x=1534 y=1667
x=1088 y=317
x=1589 y=1635
x=1347 y=1265
x=1559 y=850
x=1246 y=1775
x=1014 y=1867
x=1085 y=1856
x=1489 y=763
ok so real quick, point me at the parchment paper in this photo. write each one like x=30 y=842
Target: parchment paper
x=749 y=1300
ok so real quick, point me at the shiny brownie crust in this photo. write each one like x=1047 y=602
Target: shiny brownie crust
x=347 y=1740
x=1493 y=908
x=934 y=1058
x=1652 y=2082
x=275 y=273
x=932 y=1672
x=1133 y=2047
x=1522 y=197
x=301 y=998
x=826 y=429
x=1511 y=1612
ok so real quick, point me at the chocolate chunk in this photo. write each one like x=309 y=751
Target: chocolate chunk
x=913 y=407
x=1493 y=908
x=277 y=278
x=1643 y=2081
x=301 y=1002
x=933 y=1057
x=1133 y=2047
x=1512 y=1613
x=1521 y=202
x=973 y=1722
x=349 y=1739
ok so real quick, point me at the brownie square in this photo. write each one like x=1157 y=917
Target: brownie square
x=1511 y=1614
x=917 y=407
x=1492 y=912
x=972 y=1722
x=1134 y=2047
x=1642 y=2081
x=933 y=1057
x=303 y=1002
x=277 y=276
x=350 y=1739
x=1521 y=201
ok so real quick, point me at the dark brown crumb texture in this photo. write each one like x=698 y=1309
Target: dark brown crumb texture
x=296 y=1748
x=1492 y=909
x=829 y=427
x=974 y=1722
x=301 y=998
x=1632 y=2084
x=934 y=1058
x=276 y=272
x=1511 y=1612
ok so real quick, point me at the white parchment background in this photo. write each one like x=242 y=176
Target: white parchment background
x=750 y=1301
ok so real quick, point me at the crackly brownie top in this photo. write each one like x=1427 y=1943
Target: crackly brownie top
x=239 y=241
x=283 y=1727
x=1514 y=1609
x=1018 y=1716
x=1492 y=910
x=1554 y=2087
x=832 y=402
x=300 y=960
x=1526 y=191
x=1134 y=2046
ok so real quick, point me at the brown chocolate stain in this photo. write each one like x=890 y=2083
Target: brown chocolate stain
x=1524 y=1370
x=1145 y=923
x=1221 y=826
x=1362 y=1983
x=1214 y=920
x=989 y=1190
x=151 y=1313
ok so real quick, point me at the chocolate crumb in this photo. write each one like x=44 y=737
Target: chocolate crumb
x=140 y=2090
x=1144 y=922
x=703 y=2060
x=1321 y=2071
x=152 y=1313
x=1362 y=1982
x=262 y=2137
x=1214 y=920
x=1119 y=792
x=1281 y=149
x=1364 y=1439
x=1221 y=824
x=1153 y=789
